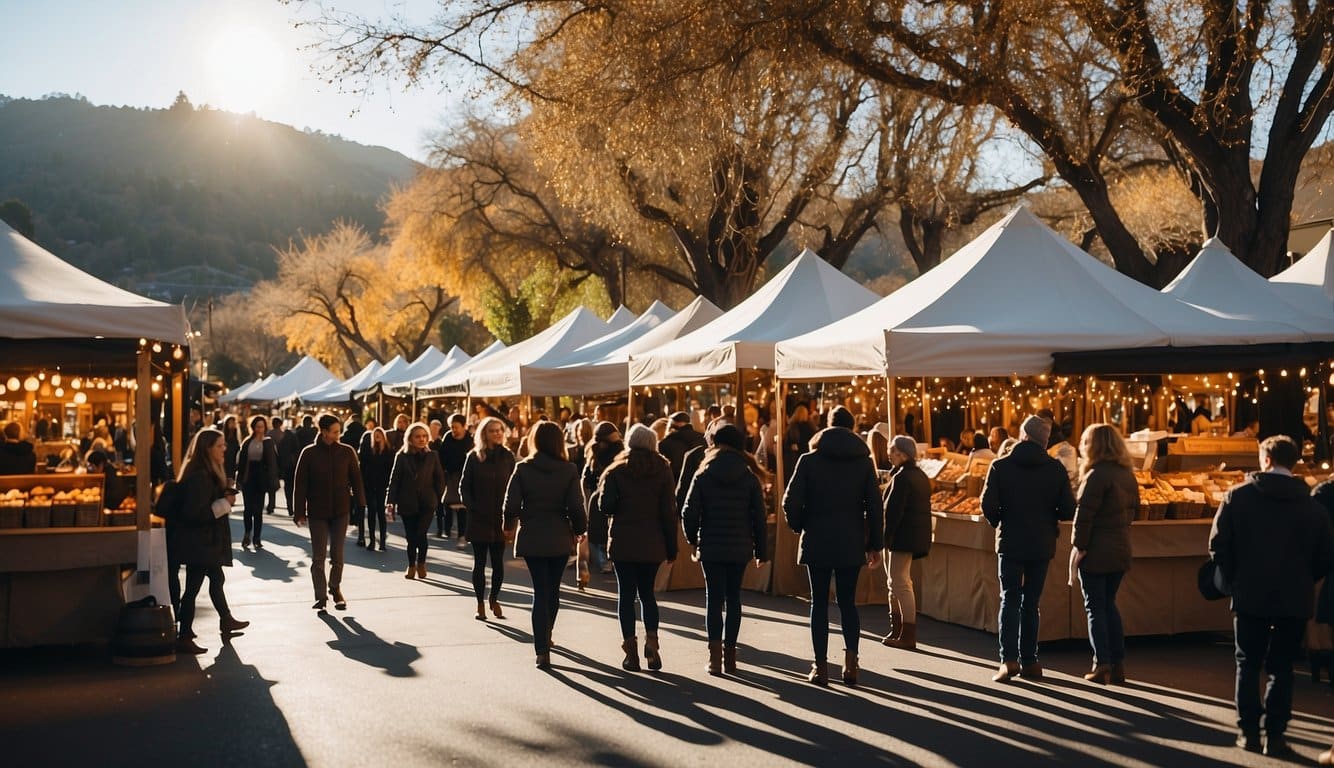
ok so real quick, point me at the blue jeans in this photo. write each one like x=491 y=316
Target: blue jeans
x=1021 y=583
x=1271 y=643
x=1105 y=633
x=546 y=573
x=722 y=584
x=845 y=589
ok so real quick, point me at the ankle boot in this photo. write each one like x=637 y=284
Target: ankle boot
x=1101 y=674
x=895 y=624
x=481 y=611
x=1119 y=674
x=412 y=572
x=631 y=661
x=819 y=673
x=715 y=658
x=907 y=639
x=729 y=659
x=850 y=667
x=651 y=654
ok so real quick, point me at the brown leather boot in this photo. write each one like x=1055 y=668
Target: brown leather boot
x=412 y=572
x=729 y=659
x=651 y=654
x=907 y=639
x=850 y=668
x=819 y=673
x=1007 y=671
x=1101 y=674
x=421 y=570
x=1119 y=674
x=631 y=661
x=481 y=611
x=715 y=658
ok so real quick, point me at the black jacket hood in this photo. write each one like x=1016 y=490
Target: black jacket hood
x=1280 y=487
x=725 y=464
x=839 y=443
x=1029 y=454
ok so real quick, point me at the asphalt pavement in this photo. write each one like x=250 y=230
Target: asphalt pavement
x=406 y=676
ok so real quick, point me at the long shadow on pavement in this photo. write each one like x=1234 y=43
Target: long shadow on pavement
x=365 y=647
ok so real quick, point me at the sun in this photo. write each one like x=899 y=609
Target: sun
x=245 y=67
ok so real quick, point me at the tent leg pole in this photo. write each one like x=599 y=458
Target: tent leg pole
x=143 y=433
x=890 y=397
x=926 y=416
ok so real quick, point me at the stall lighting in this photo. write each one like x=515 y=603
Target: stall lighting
x=77 y=383
x=2 y=388
x=156 y=388
x=177 y=353
x=55 y=380
x=60 y=392
x=14 y=383
x=31 y=384
x=41 y=376
x=157 y=347
x=80 y=397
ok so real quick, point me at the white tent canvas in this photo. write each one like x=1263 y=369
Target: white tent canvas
x=425 y=362
x=1310 y=281
x=1002 y=305
x=1216 y=281
x=240 y=392
x=448 y=362
x=336 y=391
x=307 y=373
x=391 y=372
x=622 y=316
x=508 y=372
x=807 y=294
x=454 y=380
x=43 y=297
x=578 y=374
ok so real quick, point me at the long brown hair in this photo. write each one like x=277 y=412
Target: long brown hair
x=197 y=458
x=1099 y=443
x=545 y=437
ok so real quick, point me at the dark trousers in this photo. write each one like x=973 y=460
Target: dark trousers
x=375 y=516
x=254 y=494
x=636 y=579
x=1021 y=583
x=327 y=537
x=194 y=579
x=722 y=585
x=845 y=589
x=1105 y=632
x=1271 y=643
x=174 y=586
x=444 y=519
x=546 y=573
x=289 y=478
x=480 y=553
x=415 y=530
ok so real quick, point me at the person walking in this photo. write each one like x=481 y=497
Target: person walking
x=454 y=448
x=199 y=533
x=681 y=438
x=907 y=538
x=638 y=498
x=257 y=474
x=1271 y=542
x=833 y=503
x=724 y=520
x=1106 y=504
x=486 y=472
x=1024 y=495
x=377 y=460
x=416 y=485
x=598 y=455
x=545 y=499
x=328 y=483
x=289 y=448
x=232 y=430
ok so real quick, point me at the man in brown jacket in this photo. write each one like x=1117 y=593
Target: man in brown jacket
x=328 y=480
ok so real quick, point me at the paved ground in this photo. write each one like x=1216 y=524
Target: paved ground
x=407 y=677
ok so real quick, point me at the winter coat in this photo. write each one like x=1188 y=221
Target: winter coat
x=453 y=453
x=1324 y=609
x=328 y=480
x=289 y=450
x=17 y=458
x=724 y=514
x=544 y=497
x=641 y=510
x=796 y=441
x=482 y=488
x=689 y=466
x=269 y=462
x=1108 y=500
x=353 y=433
x=416 y=483
x=1024 y=496
x=677 y=444
x=908 y=511
x=375 y=469
x=1272 y=542
x=833 y=502
x=195 y=536
x=233 y=440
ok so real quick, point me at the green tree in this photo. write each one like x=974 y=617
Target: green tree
x=17 y=215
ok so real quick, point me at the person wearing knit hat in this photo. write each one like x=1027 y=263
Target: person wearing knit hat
x=636 y=494
x=598 y=455
x=907 y=538
x=724 y=519
x=1024 y=495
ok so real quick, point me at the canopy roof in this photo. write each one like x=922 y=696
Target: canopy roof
x=622 y=316
x=1216 y=281
x=807 y=294
x=335 y=391
x=1002 y=305
x=455 y=378
x=1310 y=281
x=425 y=363
x=43 y=297
x=448 y=362
x=507 y=372
x=240 y=392
x=307 y=373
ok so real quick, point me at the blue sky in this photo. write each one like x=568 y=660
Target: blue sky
x=239 y=55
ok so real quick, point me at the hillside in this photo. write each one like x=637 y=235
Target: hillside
x=182 y=200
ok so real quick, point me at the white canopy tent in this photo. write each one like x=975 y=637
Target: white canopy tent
x=805 y=295
x=307 y=373
x=1002 y=305
x=335 y=391
x=448 y=362
x=391 y=372
x=454 y=379
x=1310 y=281
x=510 y=372
x=621 y=317
x=240 y=392
x=425 y=362
x=574 y=374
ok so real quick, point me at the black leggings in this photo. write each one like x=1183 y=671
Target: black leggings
x=546 y=573
x=480 y=552
x=636 y=579
x=444 y=519
x=375 y=516
x=415 y=528
x=254 y=494
x=722 y=584
x=845 y=588
x=194 y=579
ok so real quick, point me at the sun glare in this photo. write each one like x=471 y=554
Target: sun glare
x=245 y=65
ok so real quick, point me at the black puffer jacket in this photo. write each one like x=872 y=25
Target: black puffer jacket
x=833 y=501
x=544 y=497
x=1272 y=542
x=724 y=514
x=641 y=510
x=689 y=466
x=482 y=488
x=677 y=444
x=194 y=535
x=1024 y=496
x=17 y=458
x=908 y=511
x=416 y=482
x=453 y=453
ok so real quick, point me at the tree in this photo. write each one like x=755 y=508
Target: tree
x=238 y=340
x=17 y=215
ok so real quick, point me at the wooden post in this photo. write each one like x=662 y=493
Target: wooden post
x=780 y=583
x=926 y=416
x=143 y=432
x=629 y=407
x=891 y=395
x=180 y=382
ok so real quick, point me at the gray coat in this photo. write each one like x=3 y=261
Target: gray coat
x=545 y=498
x=1108 y=499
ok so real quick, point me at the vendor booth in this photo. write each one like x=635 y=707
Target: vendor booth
x=76 y=348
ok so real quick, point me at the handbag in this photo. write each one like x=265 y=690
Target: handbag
x=1211 y=582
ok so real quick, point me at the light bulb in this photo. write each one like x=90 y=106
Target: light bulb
x=14 y=382
x=55 y=379
x=60 y=392
x=31 y=383
x=80 y=397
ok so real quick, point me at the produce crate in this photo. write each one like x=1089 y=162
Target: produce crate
x=1155 y=511
x=120 y=517
x=11 y=517
x=37 y=517
x=62 y=515
x=1185 y=510
x=88 y=515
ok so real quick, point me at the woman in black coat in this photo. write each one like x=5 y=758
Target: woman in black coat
x=232 y=430
x=257 y=476
x=416 y=486
x=486 y=473
x=907 y=538
x=377 y=461
x=598 y=455
x=637 y=497
x=199 y=533
x=724 y=519
x=833 y=502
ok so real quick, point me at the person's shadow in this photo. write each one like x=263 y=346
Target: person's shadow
x=362 y=645
x=264 y=564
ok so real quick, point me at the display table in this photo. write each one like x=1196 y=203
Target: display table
x=685 y=573
x=959 y=581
